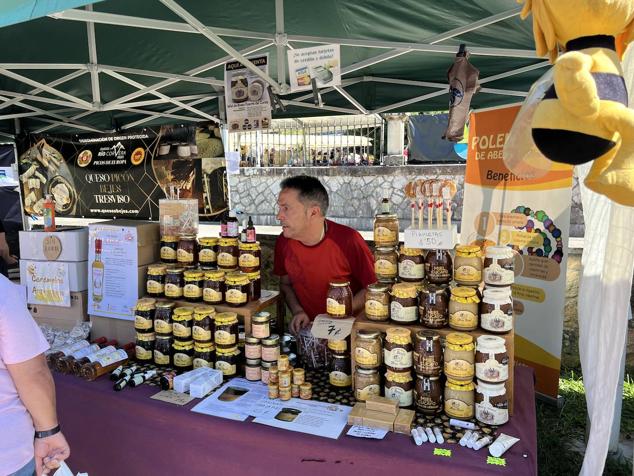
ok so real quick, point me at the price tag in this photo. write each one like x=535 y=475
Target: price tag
x=325 y=327
x=367 y=432
x=431 y=239
x=442 y=452
x=170 y=396
x=496 y=461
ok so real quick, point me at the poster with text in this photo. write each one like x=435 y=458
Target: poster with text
x=47 y=282
x=323 y=63
x=247 y=96
x=531 y=216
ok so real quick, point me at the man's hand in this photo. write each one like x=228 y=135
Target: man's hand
x=299 y=322
x=50 y=452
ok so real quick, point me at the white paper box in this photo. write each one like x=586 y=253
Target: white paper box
x=74 y=244
x=77 y=274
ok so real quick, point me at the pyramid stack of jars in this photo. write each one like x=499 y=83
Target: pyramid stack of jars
x=286 y=382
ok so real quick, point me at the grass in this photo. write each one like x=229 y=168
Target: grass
x=561 y=432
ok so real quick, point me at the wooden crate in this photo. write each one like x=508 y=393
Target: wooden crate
x=362 y=323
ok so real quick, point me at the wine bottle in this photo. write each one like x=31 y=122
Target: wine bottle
x=167 y=380
x=116 y=373
x=97 y=273
x=62 y=364
x=75 y=365
x=138 y=379
x=52 y=357
x=105 y=364
x=126 y=375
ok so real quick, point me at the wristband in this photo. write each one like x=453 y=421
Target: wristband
x=51 y=432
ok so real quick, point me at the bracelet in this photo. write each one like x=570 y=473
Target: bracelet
x=51 y=432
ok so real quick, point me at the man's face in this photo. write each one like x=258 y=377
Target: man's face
x=292 y=214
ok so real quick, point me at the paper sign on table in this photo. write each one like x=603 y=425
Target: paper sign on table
x=325 y=327
x=367 y=432
x=431 y=239
x=170 y=396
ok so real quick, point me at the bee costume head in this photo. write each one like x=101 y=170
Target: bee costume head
x=584 y=116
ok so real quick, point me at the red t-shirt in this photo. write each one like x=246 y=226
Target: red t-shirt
x=341 y=255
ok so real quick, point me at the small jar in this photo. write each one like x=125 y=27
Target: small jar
x=162 y=354
x=284 y=378
x=459 y=357
x=438 y=267
x=253 y=370
x=163 y=318
x=204 y=354
x=399 y=386
x=459 y=399
x=260 y=326
x=385 y=262
x=463 y=309
x=187 y=251
x=386 y=228
x=499 y=266
x=237 y=289
x=144 y=347
x=155 y=282
x=203 y=323
x=428 y=394
x=283 y=363
x=255 y=286
x=299 y=376
x=182 y=322
x=339 y=299
x=367 y=382
x=491 y=359
x=228 y=253
x=271 y=348
x=274 y=375
x=368 y=351
x=491 y=403
x=174 y=283
x=252 y=348
x=340 y=375
x=404 y=303
x=214 y=287
x=274 y=391
x=144 y=315
x=295 y=391
x=398 y=349
x=434 y=306
x=496 y=310
x=338 y=347
x=183 y=354
x=266 y=367
x=208 y=252
x=428 y=357
x=168 y=249
x=193 y=289
x=226 y=330
x=285 y=393
x=227 y=361
x=467 y=265
x=377 y=302
x=306 y=391
x=249 y=257
x=411 y=265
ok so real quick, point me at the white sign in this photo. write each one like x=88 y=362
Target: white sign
x=236 y=400
x=320 y=62
x=431 y=239
x=325 y=327
x=47 y=282
x=367 y=432
x=246 y=96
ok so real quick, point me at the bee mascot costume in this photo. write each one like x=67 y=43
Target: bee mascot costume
x=584 y=115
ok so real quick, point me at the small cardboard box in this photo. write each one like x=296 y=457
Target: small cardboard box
x=119 y=329
x=62 y=317
x=382 y=404
x=355 y=417
x=69 y=244
x=375 y=419
x=403 y=421
x=77 y=273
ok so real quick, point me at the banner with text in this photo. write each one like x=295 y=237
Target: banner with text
x=321 y=63
x=532 y=216
x=246 y=96
x=47 y=282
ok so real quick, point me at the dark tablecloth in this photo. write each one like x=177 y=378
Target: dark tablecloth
x=127 y=433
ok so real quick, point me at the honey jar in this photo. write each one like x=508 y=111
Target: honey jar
x=411 y=265
x=459 y=357
x=386 y=229
x=155 y=282
x=404 y=303
x=237 y=289
x=214 y=287
x=168 y=249
x=187 y=250
x=385 y=263
x=193 y=289
x=249 y=257
x=377 y=302
x=339 y=299
x=463 y=309
x=208 y=252
x=467 y=265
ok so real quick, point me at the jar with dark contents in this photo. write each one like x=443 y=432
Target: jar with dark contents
x=174 y=283
x=144 y=315
x=411 y=265
x=428 y=394
x=404 y=303
x=183 y=354
x=214 y=287
x=169 y=244
x=368 y=351
x=255 y=286
x=367 y=382
x=163 y=350
x=434 y=306
x=144 y=346
x=193 y=289
x=208 y=252
x=226 y=329
x=163 y=318
x=338 y=347
x=398 y=349
x=438 y=267
x=155 y=282
x=399 y=386
x=463 y=309
x=203 y=329
x=249 y=259
x=182 y=323
x=187 y=251
x=377 y=302
x=340 y=375
x=237 y=289
x=227 y=361
x=386 y=229
x=428 y=354
x=228 y=254
x=339 y=299
x=204 y=354
x=491 y=403
x=385 y=262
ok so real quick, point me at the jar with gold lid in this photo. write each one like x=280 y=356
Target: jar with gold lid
x=255 y=285
x=459 y=399
x=428 y=357
x=155 y=282
x=187 y=250
x=339 y=347
x=203 y=328
x=386 y=229
x=183 y=322
x=228 y=253
x=385 y=262
x=183 y=354
x=174 y=283
x=227 y=361
x=253 y=370
x=467 y=265
x=271 y=348
x=399 y=386
x=340 y=371
x=214 y=287
x=144 y=347
x=411 y=265
x=367 y=382
x=404 y=303
x=162 y=354
x=144 y=314
x=368 y=350
x=204 y=354
x=434 y=306
x=237 y=289
x=339 y=299
x=252 y=348
x=249 y=257
x=438 y=267
x=377 y=302
x=169 y=244
x=193 y=289
x=208 y=252
x=398 y=349
x=163 y=318
x=463 y=309
x=260 y=325
x=226 y=329
x=459 y=356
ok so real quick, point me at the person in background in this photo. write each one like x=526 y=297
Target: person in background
x=5 y=253
x=30 y=438
x=313 y=251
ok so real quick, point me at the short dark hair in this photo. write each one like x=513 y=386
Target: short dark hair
x=310 y=190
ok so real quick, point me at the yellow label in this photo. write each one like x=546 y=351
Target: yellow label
x=248 y=260
x=168 y=253
x=201 y=334
x=180 y=330
x=227 y=260
x=468 y=274
x=410 y=270
x=376 y=309
x=383 y=235
x=141 y=322
x=183 y=256
x=201 y=363
x=383 y=267
x=142 y=354
x=224 y=338
x=162 y=327
x=334 y=308
x=340 y=379
x=398 y=358
x=207 y=256
x=211 y=295
x=192 y=291
x=458 y=409
x=463 y=320
x=225 y=367
x=405 y=397
x=160 y=358
x=364 y=393
x=182 y=360
x=173 y=291
x=234 y=296
x=459 y=368
x=364 y=357
x=154 y=287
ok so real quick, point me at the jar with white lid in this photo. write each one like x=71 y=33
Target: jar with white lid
x=496 y=310
x=491 y=359
x=491 y=403
x=499 y=266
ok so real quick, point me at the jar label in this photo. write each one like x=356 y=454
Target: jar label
x=458 y=409
x=491 y=415
x=340 y=379
x=235 y=296
x=334 y=308
x=227 y=259
x=426 y=403
x=464 y=320
x=270 y=354
x=398 y=358
x=261 y=331
x=438 y=273
x=432 y=317
x=376 y=309
x=211 y=295
x=201 y=363
x=385 y=268
x=181 y=331
x=225 y=367
x=497 y=321
x=409 y=270
x=467 y=274
x=154 y=287
x=192 y=291
x=459 y=369
x=248 y=260
x=364 y=393
x=182 y=360
x=252 y=373
x=403 y=314
x=168 y=253
x=364 y=357
x=253 y=351
x=224 y=337
x=498 y=276
x=141 y=322
x=160 y=358
x=426 y=364
x=162 y=327
x=405 y=397
x=183 y=256
x=492 y=371
x=142 y=354
x=384 y=236
x=112 y=357
x=207 y=255
x=173 y=290
x=201 y=334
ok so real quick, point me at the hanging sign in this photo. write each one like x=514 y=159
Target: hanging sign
x=322 y=63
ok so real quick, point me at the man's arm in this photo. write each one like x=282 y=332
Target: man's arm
x=300 y=318
x=358 y=302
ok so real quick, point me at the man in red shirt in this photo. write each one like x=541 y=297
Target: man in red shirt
x=312 y=251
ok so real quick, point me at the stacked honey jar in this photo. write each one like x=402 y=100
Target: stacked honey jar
x=286 y=382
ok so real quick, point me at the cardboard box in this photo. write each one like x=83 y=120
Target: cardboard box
x=375 y=419
x=403 y=421
x=77 y=273
x=62 y=317
x=147 y=239
x=122 y=330
x=69 y=244
x=355 y=417
x=382 y=404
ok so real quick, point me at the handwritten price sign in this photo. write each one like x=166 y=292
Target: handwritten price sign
x=325 y=327
x=431 y=239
